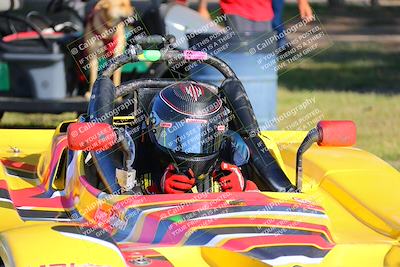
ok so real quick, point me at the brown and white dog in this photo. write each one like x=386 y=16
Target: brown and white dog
x=105 y=34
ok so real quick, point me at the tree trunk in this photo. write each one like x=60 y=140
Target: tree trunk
x=337 y=3
x=374 y=3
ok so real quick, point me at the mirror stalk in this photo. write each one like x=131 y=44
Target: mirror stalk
x=327 y=133
x=312 y=137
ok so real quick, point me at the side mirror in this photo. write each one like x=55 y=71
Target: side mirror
x=337 y=133
x=89 y=136
x=327 y=133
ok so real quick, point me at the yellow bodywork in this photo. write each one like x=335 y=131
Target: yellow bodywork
x=358 y=191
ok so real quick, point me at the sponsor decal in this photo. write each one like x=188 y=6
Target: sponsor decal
x=194 y=55
x=166 y=124
x=188 y=120
x=221 y=128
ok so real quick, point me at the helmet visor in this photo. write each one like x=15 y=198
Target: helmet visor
x=190 y=136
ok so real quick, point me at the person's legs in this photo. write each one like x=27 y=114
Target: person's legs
x=262 y=26
x=277 y=22
x=238 y=24
x=241 y=24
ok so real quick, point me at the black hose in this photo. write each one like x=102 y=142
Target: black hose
x=36 y=14
x=245 y=123
x=46 y=43
x=266 y=167
x=100 y=110
x=101 y=104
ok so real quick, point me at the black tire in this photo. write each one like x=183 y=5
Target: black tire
x=1 y=116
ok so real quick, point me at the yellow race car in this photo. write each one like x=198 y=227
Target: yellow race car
x=321 y=202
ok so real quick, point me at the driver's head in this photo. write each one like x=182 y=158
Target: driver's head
x=187 y=125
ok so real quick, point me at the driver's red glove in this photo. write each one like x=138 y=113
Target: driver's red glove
x=233 y=180
x=174 y=183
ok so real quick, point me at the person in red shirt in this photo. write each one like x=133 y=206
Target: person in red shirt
x=254 y=15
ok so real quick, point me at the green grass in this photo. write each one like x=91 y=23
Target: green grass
x=376 y=117
x=20 y=120
x=358 y=82
x=356 y=67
